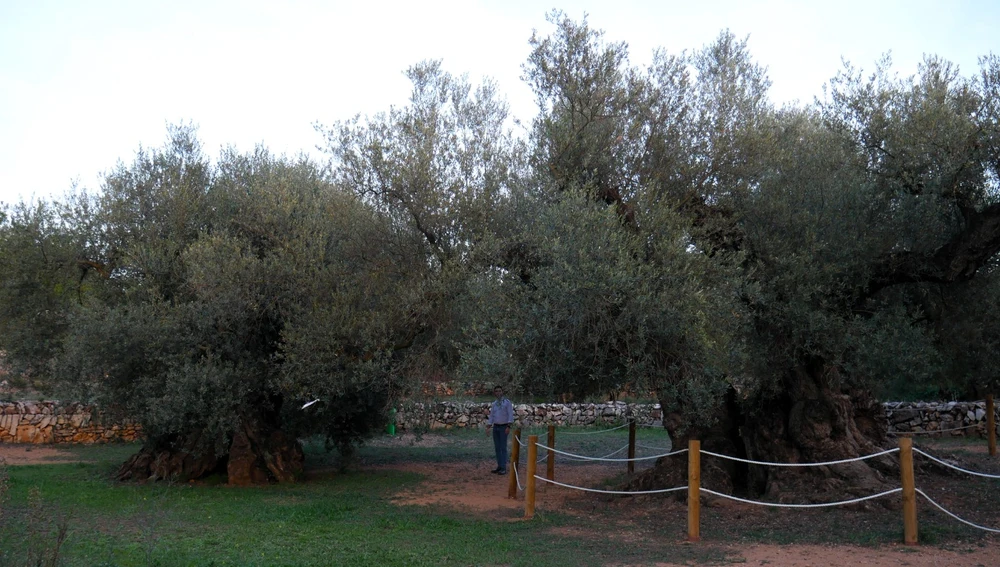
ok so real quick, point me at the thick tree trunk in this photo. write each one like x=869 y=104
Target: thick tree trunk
x=257 y=455
x=813 y=421
x=723 y=438
x=816 y=421
x=180 y=460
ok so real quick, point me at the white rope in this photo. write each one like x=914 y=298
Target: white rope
x=939 y=507
x=652 y=448
x=939 y=461
x=543 y=479
x=585 y=458
x=545 y=456
x=928 y=431
x=823 y=505
x=823 y=464
x=615 y=452
x=517 y=478
x=594 y=432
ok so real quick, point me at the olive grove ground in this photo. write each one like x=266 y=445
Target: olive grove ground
x=732 y=533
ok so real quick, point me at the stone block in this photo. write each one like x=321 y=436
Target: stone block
x=26 y=433
x=12 y=423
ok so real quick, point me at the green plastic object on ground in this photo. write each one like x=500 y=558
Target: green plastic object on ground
x=391 y=428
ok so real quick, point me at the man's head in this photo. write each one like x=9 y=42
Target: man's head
x=498 y=392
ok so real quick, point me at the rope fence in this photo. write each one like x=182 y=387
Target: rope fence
x=823 y=464
x=966 y=522
x=571 y=457
x=621 y=492
x=934 y=431
x=991 y=427
x=550 y=454
x=951 y=466
x=598 y=432
x=816 y=505
x=905 y=450
x=606 y=459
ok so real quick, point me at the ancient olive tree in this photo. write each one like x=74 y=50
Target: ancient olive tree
x=608 y=287
x=880 y=207
x=443 y=171
x=207 y=288
x=847 y=228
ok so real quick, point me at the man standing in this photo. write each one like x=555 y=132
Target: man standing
x=501 y=418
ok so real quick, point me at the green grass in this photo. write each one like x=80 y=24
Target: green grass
x=345 y=515
x=335 y=518
x=345 y=519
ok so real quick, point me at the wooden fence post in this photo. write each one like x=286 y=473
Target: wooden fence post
x=550 y=463
x=515 y=460
x=694 y=490
x=631 y=445
x=909 y=491
x=991 y=425
x=529 y=491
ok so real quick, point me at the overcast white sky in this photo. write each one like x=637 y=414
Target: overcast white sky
x=83 y=84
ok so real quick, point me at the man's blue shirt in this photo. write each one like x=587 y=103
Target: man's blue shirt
x=501 y=412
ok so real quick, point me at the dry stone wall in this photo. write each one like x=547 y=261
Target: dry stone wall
x=945 y=418
x=940 y=418
x=55 y=422
x=449 y=415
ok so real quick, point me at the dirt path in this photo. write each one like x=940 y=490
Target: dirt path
x=838 y=556
x=15 y=455
x=471 y=488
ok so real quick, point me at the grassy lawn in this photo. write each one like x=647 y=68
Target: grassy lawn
x=335 y=518
x=345 y=515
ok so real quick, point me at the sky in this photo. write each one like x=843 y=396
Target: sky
x=84 y=84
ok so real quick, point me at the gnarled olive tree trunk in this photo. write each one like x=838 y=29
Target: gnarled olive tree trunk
x=259 y=452
x=812 y=421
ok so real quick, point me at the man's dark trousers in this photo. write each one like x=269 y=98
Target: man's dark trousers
x=500 y=445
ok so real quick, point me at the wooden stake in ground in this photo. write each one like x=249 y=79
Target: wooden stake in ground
x=694 y=490
x=515 y=460
x=631 y=446
x=909 y=491
x=991 y=425
x=529 y=490
x=550 y=463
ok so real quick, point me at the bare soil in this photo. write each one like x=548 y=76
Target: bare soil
x=18 y=454
x=470 y=488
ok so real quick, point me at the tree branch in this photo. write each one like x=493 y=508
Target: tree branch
x=957 y=260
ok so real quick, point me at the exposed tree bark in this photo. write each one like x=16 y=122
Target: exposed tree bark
x=179 y=460
x=257 y=454
x=813 y=421
x=723 y=438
